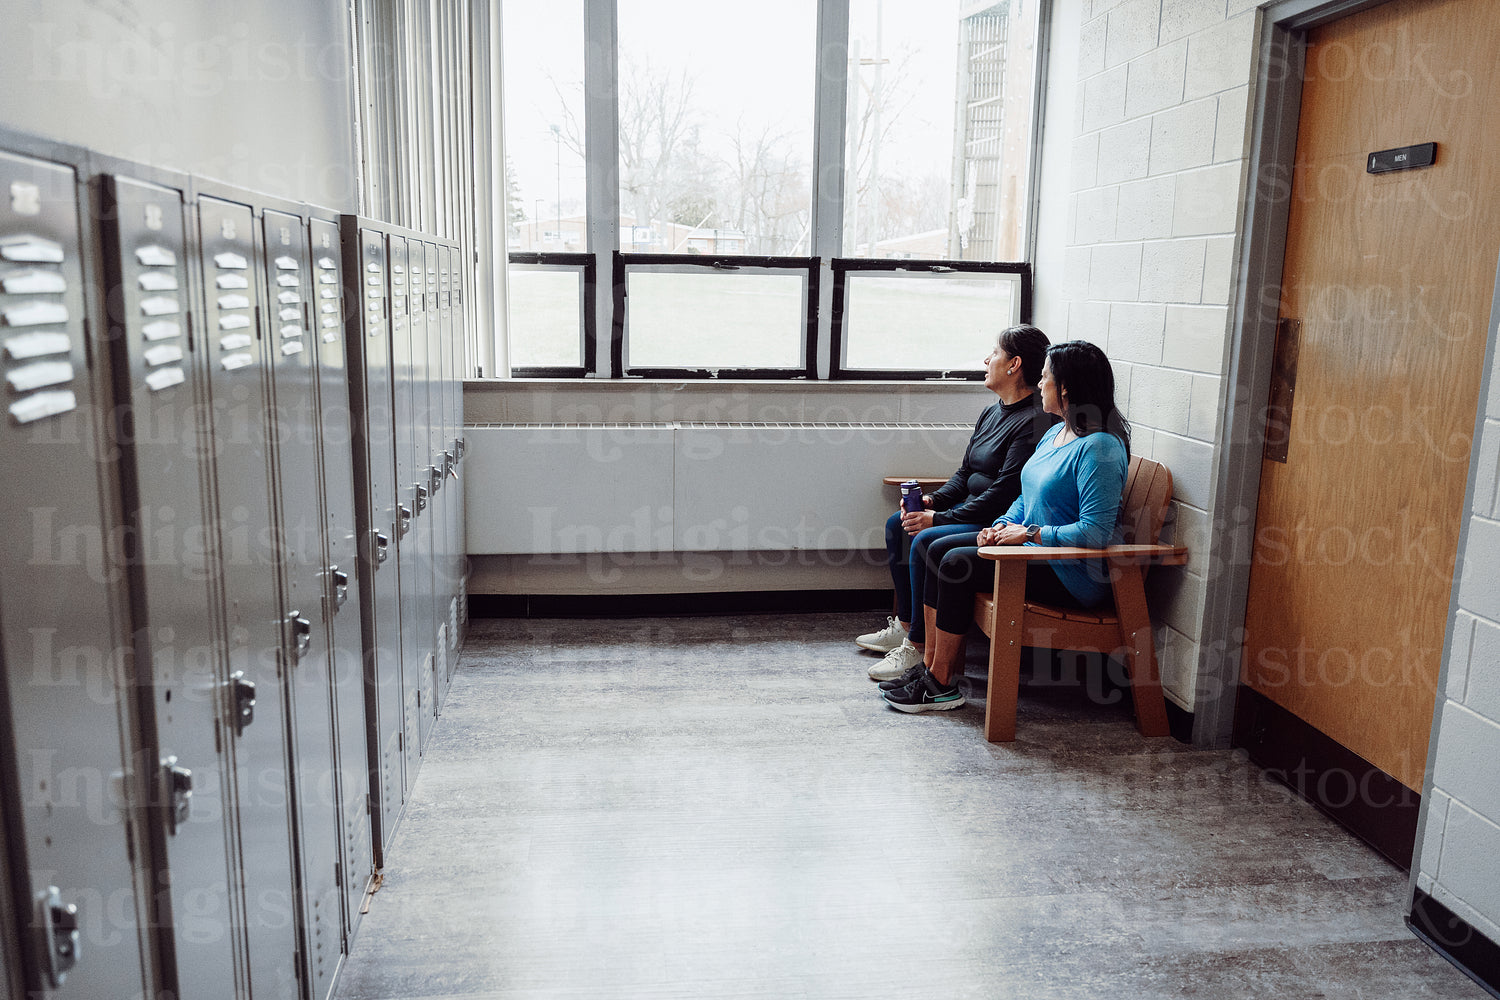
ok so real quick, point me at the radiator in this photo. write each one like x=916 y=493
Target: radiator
x=692 y=487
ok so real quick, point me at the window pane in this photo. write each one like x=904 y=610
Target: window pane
x=926 y=324
x=715 y=320
x=926 y=178
x=716 y=115
x=544 y=147
x=546 y=310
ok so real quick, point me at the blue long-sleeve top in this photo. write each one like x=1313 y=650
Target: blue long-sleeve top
x=1074 y=491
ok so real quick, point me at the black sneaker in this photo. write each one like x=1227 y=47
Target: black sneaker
x=912 y=673
x=925 y=694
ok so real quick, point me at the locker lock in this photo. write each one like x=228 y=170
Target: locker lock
x=59 y=936
x=435 y=478
x=459 y=447
x=421 y=498
x=450 y=460
x=382 y=547
x=242 y=692
x=177 y=788
x=403 y=524
x=301 y=635
x=340 y=581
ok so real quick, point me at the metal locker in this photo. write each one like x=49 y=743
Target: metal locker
x=460 y=361
x=343 y=569
x=184 y=703
x=368 y=347
x=238 y=384
x=409 y=499
x=452 y=491
x=416 y=585
x=66 y=794
x=431 y=425
x=286 y=278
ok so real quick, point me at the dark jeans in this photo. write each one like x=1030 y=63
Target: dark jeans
x=907 y=556
x=957 y=572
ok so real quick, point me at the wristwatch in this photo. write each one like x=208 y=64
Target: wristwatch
x=1033 y=532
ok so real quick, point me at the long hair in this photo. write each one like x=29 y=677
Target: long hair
x=1084 y=375
x=1030 y=344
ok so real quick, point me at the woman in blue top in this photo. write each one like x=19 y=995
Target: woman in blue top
x=1070 y=495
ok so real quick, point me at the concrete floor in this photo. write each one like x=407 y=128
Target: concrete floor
x=721 y=807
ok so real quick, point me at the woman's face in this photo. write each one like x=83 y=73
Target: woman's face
x=1052 y=396
x=997 y=368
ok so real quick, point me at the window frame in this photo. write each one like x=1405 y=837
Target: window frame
x=843 y=266
x=588 y=291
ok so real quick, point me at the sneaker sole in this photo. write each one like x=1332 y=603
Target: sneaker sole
x=875 y=647
x=885 y=675
x=931 y=706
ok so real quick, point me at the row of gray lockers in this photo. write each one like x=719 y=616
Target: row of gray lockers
x=231 y=576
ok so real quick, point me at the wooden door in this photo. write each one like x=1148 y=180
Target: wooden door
x=1391 y=276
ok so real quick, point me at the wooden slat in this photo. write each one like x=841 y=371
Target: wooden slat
x=1166 y=555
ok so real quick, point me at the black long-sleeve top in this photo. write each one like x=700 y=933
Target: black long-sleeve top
x=989 y=481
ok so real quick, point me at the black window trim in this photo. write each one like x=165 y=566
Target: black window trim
x=589 y=341
x=841 y=268
x=725 y=262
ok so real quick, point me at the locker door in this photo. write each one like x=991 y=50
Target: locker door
x=64 y=722
x=173 y=587
x=403 y=319
x=418 y=613
x=432 y=425
x=460 y=361
x=376 y=517
x=238 y=377
x=452 y=489
x=343 y=572
x=310 y=696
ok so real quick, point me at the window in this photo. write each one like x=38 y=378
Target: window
x=718 y=148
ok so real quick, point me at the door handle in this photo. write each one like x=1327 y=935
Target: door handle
x=421 y=498
x=177 y=788
x=382 y=547
x=340 y=587
x=243 y=693
x=301 y=635
x=434 y=479
x=449 y=461
x=403 y=521
x=62 y=940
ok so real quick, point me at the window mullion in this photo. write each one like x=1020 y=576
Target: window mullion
x=829 y=125
x=601 y=170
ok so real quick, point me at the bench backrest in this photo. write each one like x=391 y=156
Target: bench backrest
x=1143 y=508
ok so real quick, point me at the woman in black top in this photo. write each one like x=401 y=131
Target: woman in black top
x=981 y=490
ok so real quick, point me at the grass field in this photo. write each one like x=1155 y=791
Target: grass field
x=736 y=320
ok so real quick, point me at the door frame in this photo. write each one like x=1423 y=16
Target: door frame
x=1276 y=112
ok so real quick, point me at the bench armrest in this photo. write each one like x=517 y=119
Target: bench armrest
x=1135 y=555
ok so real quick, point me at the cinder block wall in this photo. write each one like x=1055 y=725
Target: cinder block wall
x=1157 y=159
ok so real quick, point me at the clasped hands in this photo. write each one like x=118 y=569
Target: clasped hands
x=1003 y=534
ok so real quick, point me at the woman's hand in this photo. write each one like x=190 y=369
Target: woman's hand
x=915 y=521
x=1003 y=534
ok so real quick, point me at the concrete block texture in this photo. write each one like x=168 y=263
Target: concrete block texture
x=1133 y=29
x=1175 y=597
x=1091 y=47
x=1195 y=338
x=1180 y=18
x=1160 y=398
x=1187 y=525
x=1125 y=151
x=1471 y=843
x=1115 y=272
x=1084 y=165
x=1135 y=332
x=1192 y=465
x=1487 y=469
x=1468 y=746
x=1218 y=270
x=1482 y=690
x=1094 y=221
x=1478 y=584
x=1458 y=661
x=1231 y=133
x=1435 y=819
x=1220 y=58
x=1157 y=80
x=1172 y=271
x=1145 y=209
x=1086 y=321
x=1203 y=410
x=1207 y=201
x=1075 y=276
x=1183 y=137
x=1103 y=100
x=1177 y=666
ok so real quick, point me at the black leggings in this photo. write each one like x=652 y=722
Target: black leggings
x=956 y=572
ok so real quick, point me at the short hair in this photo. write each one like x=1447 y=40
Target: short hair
x=1081 y=370
x=1030 y=344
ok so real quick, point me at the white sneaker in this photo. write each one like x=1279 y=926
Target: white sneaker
x=897 y=662
x=887 y=639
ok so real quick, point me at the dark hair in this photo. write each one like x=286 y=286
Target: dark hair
x=1030 y=344
x=1084 y=375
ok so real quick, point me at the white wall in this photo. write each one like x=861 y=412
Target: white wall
x=1148 y=200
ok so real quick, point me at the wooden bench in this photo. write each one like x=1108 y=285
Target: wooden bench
x=1011 y=621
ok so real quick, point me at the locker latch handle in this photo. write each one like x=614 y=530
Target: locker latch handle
x=382 y=547
x=178 y=788
x=403 y=524
x=301 y=634
x=421 y=498
x=435 y=478
x=61 y=939
x=449 y=462
x=340 y=586
x=243 y=693
x=460 y=447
